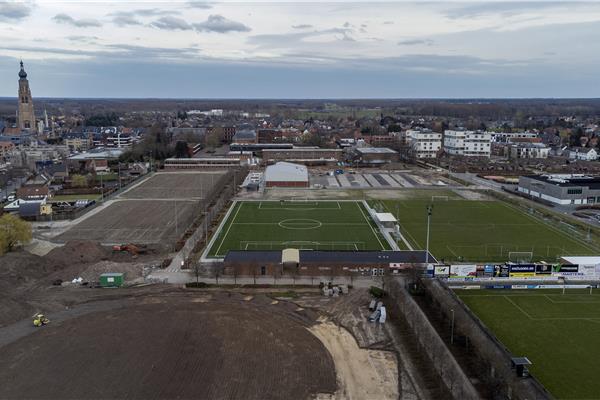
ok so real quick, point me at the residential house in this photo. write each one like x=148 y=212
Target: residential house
x=583 y=153
x=6 y=149
x=80 y=141
x=33 y=192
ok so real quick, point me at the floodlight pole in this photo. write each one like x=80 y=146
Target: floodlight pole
x=429 y=211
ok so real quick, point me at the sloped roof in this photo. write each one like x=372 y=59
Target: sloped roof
x=349 y=257
x=29 y=209
x=286 y=172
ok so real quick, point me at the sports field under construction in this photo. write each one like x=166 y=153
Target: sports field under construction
x=157 y=210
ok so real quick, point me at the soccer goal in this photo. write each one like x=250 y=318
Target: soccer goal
x=299 y=201
x=301 y=245
x=520 y=256
x=439 y=198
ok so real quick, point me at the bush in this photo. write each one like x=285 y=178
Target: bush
x=197 y=285
x=377 y=292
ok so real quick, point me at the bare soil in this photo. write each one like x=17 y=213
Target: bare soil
x=138 y=221
x=197 y=345
x=26 y=279
x=175 y=185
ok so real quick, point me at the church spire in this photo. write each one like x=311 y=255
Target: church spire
x=22 y=73
x=26 y=116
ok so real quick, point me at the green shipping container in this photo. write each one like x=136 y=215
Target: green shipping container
x=111 y=279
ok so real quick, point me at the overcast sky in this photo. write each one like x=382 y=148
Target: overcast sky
x=301 y=49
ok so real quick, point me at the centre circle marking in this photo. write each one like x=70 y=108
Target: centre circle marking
x=300 y=223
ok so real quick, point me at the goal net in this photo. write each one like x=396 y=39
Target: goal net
x=301 y=245
x=439 y=198
x=520 y=256
x=298 y=201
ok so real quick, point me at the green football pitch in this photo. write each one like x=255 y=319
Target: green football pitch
x=480 y=231
x=315 y=225
x=558 y=333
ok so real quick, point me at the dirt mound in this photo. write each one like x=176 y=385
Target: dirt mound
x=131 y=270
x=78 y=251
x=21 y=267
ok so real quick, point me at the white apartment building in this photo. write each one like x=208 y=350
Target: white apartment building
x=468 y=143
x=424 y=142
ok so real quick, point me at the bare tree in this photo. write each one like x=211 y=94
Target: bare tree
x=218 y=271
x=197 y=268
x=235 y=274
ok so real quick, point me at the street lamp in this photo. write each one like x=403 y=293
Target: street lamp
x=429 y=212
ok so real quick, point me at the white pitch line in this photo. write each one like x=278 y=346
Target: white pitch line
x=229 y=227
x=518 y=307
x=373 y=230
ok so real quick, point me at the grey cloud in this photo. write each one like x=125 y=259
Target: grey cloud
x=302 y=26
x=414 y=42
x=388 y=22
x=125 y=20
x=506 y=9
x=170 y=23
x=144 y=12
x=129 y=18
x=199 y=4
x=132 y=51
x=220 y=24
x=13 y=11
x=79 y=23
x=153 y=12
x=347 y=38
x=82 y=39
x=289 y=40
x=117 y=52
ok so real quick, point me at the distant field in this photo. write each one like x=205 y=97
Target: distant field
x=480 y=231
x=558 y=333
x=316 y=225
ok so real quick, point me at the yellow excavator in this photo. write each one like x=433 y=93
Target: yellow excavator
x=40 y=320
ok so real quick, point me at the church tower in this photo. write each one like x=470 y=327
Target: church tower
x=26 y=114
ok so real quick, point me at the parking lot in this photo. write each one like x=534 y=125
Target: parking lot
x=371 y=180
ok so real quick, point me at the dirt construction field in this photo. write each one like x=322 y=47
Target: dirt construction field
x=208 y=346
x=157 y=210
x=137 y=221
x=174 y=185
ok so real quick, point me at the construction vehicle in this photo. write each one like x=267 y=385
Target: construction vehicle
x=40 y=320
x=131 y=248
